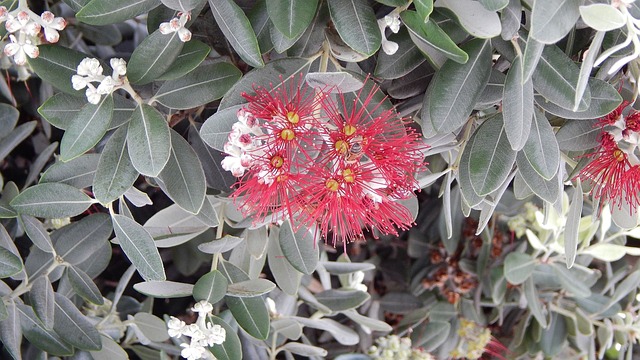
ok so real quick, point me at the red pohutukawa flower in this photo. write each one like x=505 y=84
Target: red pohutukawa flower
x=302 y=155
x=614 y=170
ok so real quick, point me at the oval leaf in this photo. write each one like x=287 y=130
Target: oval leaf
x=251 y=314
x=433 y=35
x=164 y=289
x=231 y=348
x=84 y=286
x=250 y=288
x=153 y=57
x=42 y=299
x=10 y=264
x=541 y=148
x=551 y=20
x=299 y=247
x=518 y=267
x=115 y=173
x=139 y=247
x=98 y=12
x=211 y=287
x=291 y=17
x=74 y=326
x=51 y=201
x=602 y=17
x=356 y=23
x=341 y=300
x=148 y=140
x=517 y=105
x=56 y=65
x=43 y=339
x=86 y=129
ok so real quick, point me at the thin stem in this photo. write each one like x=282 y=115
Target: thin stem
x=127 y=87
x=219 y=232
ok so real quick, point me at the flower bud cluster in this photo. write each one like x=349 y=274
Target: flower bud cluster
x=203 y=333
x=475 y=340
x=90 y=70
x=24 y=27
x=317 y=160
x=391 y=21
x=393 y=347
x=177 y=24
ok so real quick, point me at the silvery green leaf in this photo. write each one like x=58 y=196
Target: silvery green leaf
x=83 y=285
x=237 y=30
x=533 y=302
x=547 y=190
x=52 y=201
x=343 y=334
x=148 y=140
x=153 y=57
x=15 y=137
x=510 y=18
x=78 y=172
x=251 y=314
x=139 y=247
x=39 y=336
x=517 y=105
x=11 y=331
x=340 y=300
x=490 y=157
x=193 y=54
x=115 y=173
x=38 y=164
x=56 y=65
x=86 y=129
x=203 y=85
x=299 y=247
x=373 y=324
x=261 y=25
x=42 y=300
x=587 y=66
x=231 y=348
x=36 y=232
x=250 y=288
x=552 y=20
x=356 y=23
x=518 y=267
x=431 y=335
x=429 y=37
x=572 y=227
x=568 y=281
x=494 y=5
x=10 y=263
x=8 y=119
x=74 y=326
x=215 y=130
x=333 y=81
x=578 y=135
x=285 y=275
x=151 y=326
x=97 y=12
x=602 y=17
x=221 y=245
x=211 y=287
x=164 y=289
x=541 y=149
x=630 y=283
x=287 y=327
x=474 y=18
x=531 y=57
x=291 y=17
x=456 y=87
x=345 y=268
x=554 y=337
x=304 y=349
x=604 y=99
x=183 y=5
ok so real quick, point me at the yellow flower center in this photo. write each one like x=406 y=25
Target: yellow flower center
x=349 y=130
x=348 y=175
x=341 y=147
x=618 y=155
x=332 y=185
x=287 y=134
x=293 y=117
x=277 y=161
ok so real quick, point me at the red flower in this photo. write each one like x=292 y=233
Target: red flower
x=614 y=170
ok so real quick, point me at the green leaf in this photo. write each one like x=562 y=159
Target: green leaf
x=554 y=337
x=434 y=36
x=533 y=302
x=304 y=349
x=468 y=12
x=237 y=30
x=193 y=54
x=164 y=289
x=153 y=57
x=215 y=130
x=469 y=196
x=517 y=106
x=286 y=276
x=51 y=201
x=61 y=109
x=182 y=178
x=456 y=87
x=588 y=62
x=518 y=267
x=299 y=247
x=250 y=288
x=83 y=285
x=291 y=17
x=494 y=5
x=430 y=336
x=42 y=299
x=106 y=35
x=8 y=119
x=343 y=334
x=74 y=326
x=40 y=337
x=280 y=42
x=201 y=86
x=110 y=350
x=311 y=41
x=532 y=53
x=251 y=314
x=578 y=135
x=86 y=129
x=341 y=300
x=15 y=137
x=11 y=331
x=424 y=9
x=78 y=172
x=222 y=245
x=148 y=140
x=56 y=65
x=568 y=281
x=211 y=287
x=356 y=23
x=629 y=284
x=551 y=20
x=139 y=247
x=572 y=226
x=541 y=148
x=604 y=99
x=183 y=5
x=556 y=78
x=407 y=58
x=261 y=24
x=37 y=233
x=602 y=17
x=548 y=190
x=490 y=157
x=272 y=73
x=344 y=268
x=99 y=12
x=231 y=348
x=211 y=160
x=151 y=326
x=10 y=263
x=115 y=173
x=510 y=18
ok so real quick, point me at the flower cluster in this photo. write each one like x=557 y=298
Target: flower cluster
x=475 y=340
x=338 y=164
x=89 y=71
x=391 y=21
x=202 y=333
x=393 y=347
x=24 y=27
x=614 y=170
x=177 y=24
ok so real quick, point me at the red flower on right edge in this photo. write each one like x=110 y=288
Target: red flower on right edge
x=614 y=170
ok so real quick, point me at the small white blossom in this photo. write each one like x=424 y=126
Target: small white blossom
x=192 y=351
x=92 y=94
x=176 y=327
x=89 y=70
x=52 y=25
x=89 y=67
x=107 y=85
x=119 y=67
x=202 y=307
x=4 y=13
x=393 y=22
x=22 y=22
x=203 y=333
x=20 y=50
x=178 y=24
